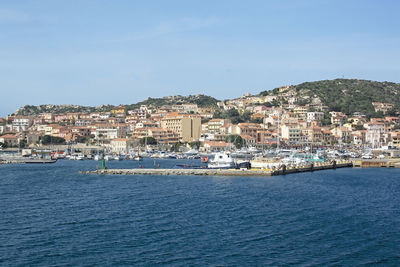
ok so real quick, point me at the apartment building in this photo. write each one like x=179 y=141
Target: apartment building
x=187 y=126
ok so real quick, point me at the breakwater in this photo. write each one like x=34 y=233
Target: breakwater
x=224 y=172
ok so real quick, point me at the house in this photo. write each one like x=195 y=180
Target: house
x=215 y=146
x=11 y=140
x=384 y=107
x=118 y=111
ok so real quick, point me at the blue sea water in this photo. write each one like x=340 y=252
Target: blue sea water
x=50 y=215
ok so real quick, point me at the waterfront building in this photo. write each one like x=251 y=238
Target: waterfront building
x=121 y=145
x=9 y=139
x=163 y=136
x=291 y=133
x=187 y=126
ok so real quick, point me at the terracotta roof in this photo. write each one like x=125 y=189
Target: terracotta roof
x=9 y=136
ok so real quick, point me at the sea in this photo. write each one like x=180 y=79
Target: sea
x=51 y=215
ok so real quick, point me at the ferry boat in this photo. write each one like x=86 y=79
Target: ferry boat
x=221 y=161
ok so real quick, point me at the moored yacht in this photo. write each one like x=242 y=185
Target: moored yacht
x=221 y=161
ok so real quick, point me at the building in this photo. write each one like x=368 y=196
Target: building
x=215 y=146
x=291 y=133
x=187 y=126
x=118 y=111
x=384 y=107
x=163 y=136
x=396 y=139
x=217 y=125
x=314 y=116
x=10 y=140
x=375 y=134
x=121 y=145
x=110 y=131
x=21 y=123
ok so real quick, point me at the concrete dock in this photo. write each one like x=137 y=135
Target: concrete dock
x=224 y=172
x=204 y=172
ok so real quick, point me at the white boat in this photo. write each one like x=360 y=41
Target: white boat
x=108 y=157
x=77 y=157
x=117 y=157
x=138 y=158
x=221 y=161
x=266 y=163
x=98 y=157
x=191 y=152
x=293 y=161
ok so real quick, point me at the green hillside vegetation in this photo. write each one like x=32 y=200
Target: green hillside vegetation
x=202 y=101
x=58 y=109
x=347 y=95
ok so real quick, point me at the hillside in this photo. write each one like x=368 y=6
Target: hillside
x=345 y=95
x=200 y=100
x=57 y=109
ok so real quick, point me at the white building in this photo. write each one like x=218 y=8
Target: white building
x=20 y=124
x=121 y=145
x=109 y=132
x=291 y=134
x=314 y=116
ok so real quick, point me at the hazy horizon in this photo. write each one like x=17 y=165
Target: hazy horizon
x=122 y=52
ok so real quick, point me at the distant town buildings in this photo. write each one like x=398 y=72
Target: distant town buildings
x=273 y=119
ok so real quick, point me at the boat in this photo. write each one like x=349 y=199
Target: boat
x=266 y=163
x=191 y=152
x=98 y=157
x=138 y=158
x=117 y=157
x=108 y=157
x=204 y=159
x=221 y=161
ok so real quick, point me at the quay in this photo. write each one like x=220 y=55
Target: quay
x=28 y=161
x=224 y=172
x=204 y=172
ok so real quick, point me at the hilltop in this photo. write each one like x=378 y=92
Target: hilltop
x=344 y=95
x=200 y=100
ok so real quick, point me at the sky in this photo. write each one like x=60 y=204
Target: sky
x=121 y=52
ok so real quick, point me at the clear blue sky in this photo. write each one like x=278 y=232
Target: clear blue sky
x=120 y=52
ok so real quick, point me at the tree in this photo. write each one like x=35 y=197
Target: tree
x=150 y=141
x=195 y=144
x=237 y=140
x=52 y=140
x=175 y=147
x=3 y=145
x=22 y=144
x=257 y=120
x=82 y=139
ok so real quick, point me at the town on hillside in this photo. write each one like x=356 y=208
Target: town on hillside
x=250 y=121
